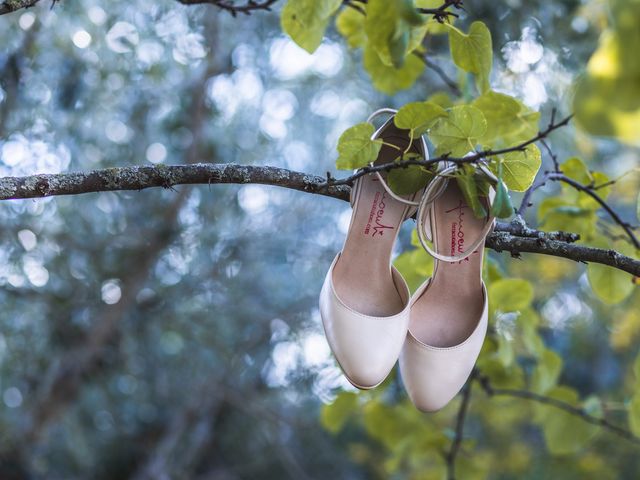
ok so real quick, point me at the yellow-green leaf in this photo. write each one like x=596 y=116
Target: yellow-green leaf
x=510 y=294
x=509 y=121
x=356 y=149
x=415 y=266
x=458 y=134
x=634 y=414
x=555 y=213
x=473 y=52
x=306 y=20
x=393 y=29
x=334 y=416
x=389 y=79
x=519 y=169
x=405 y=181
x=472 y=186
x=350 y=24
x=547 y=372
x=609 y=284
x=418 y=117
x=564 y=433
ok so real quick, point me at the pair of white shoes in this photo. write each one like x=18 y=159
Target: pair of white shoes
x=369 y=316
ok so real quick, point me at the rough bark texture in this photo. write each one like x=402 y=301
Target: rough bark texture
x=512 y=237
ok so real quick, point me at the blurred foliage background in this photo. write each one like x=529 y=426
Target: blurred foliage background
x=175 y=333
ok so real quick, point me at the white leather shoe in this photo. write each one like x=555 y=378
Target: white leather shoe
x=433 y=376
x=365 y=346
x=448 y=321
x=364 y=302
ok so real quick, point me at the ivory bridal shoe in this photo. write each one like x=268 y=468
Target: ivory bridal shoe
x=448 y=313
x=364 y=302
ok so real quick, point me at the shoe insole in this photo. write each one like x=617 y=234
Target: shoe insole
x=362 y=277
x=448 y=311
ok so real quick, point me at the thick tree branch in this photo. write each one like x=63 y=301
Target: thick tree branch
x=554 y=402
x=139 y=178
x=512 y=237
x=506 y=242
x=9 y=6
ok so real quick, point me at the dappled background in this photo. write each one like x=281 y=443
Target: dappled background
x=174 y=333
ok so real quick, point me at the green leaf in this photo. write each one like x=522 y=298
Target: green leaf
x=334 y=416
x=510 y=294
x=634 y=414
x=564 y=433
x=356 y=149
x=473 y=52
x=500 y=375
x=547 y=372
x=405 y=181
x=509 y=121
x=502 y=207
x=555 y=213
x=306 y=20
x=415 y=266
x=350 y=24
x=468 y=183
x=609 y=284
x=418 y=117
x=638 y=207
x=458 y=134
x=388 y=79
x=393 y=29
x=397 y=48
x=576 y=169
x=636 y=371
x=519 y=169
x=505 y=353
x=441 y=98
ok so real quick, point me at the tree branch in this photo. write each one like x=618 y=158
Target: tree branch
x=9 y=6
x=232 y=7
x=448 y=81
x=591 y=192
x=473 y=158
x=139 y=178
x=554 y=402
x=450 y=457
x=512 y=237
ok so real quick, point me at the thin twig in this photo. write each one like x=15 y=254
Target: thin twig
x=448 y=81
x=554 y=402
x=612 y=213
x=354 y=5
x=473 y=158
x=234 y=9
x=450 y=457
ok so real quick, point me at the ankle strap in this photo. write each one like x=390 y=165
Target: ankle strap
x=432 y=192
x=383 y=182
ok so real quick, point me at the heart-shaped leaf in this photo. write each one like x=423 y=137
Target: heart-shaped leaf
x=356 y=149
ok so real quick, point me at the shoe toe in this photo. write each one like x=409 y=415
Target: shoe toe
x=433 y=376
x=366 y=347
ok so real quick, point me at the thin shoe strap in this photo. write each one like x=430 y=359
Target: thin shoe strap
x=383 y=182
x=434 y=190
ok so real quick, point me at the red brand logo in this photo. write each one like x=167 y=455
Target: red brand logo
x=375 y=216
x=457 y=231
